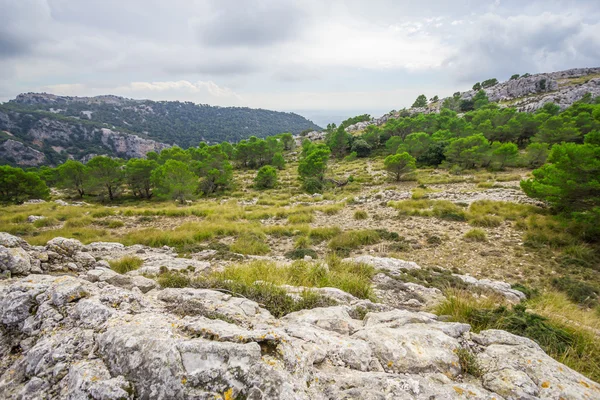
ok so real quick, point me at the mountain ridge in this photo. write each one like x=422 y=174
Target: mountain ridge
x=64 y=127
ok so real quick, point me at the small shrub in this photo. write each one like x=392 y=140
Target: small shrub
x=114 y=223
x=526 y=290
x=387 y=235
x=319 y=234
x=434 y=240
x=582 y=255
x=266 y=178
x=468 y=362
x=349 y=240
x=45 y=223
x=299 y=254
x=126 y=264
x=361 y=214
x=485 y=221
x=577 y=291
x=173 y=280
x=475 y=235
x=102 y=213
x=302 y=242
x=250 y=244
x=301 y=218
x=78 y=222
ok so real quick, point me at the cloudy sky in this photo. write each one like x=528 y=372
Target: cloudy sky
x=335 y=57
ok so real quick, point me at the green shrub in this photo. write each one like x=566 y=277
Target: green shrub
x=126 y=264
x=78 y=222
x=319 y=234
x=173 y=280
x=475 y=235
x=577 y=291
x=468 y=362
x=250 y=244
x=114 y=223
x=103 y=213
x=301 y=218
x=299 y=254
x=485 y=221
x=349 y=240
x=266 y=178
x=361 y=214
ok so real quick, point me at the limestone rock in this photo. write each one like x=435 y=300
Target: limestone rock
x=63 y=246
x=392 y=265
x=15 y=260
x=11 y=241
x=68 y=337
x=502 y=288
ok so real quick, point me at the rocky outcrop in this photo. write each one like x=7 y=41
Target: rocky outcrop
x=117 y=142
x=21 y=154
x=65 y=337
x=97 y=334
x=59 y=135
x=527 y=94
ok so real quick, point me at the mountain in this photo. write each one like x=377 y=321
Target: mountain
x=527 y=93
x=44 y=121
x=32 y=138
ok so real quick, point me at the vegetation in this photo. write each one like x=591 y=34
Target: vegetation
x=169 y=122
x=126 y=264
x=266 y=178
x=575 y=346
x=16 y=185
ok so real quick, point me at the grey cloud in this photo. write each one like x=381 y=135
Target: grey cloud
x=21 y=26
x=251 y=23
x=498 y=47
x=215 y=67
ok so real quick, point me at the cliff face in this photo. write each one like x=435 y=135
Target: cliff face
x=17 y=153
x=43 y=140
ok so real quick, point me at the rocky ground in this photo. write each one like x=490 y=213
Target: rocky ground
x=72 y=328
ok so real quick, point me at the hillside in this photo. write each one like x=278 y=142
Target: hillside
x=168 y=122
x=527 y=93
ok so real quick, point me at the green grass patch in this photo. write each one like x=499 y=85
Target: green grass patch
x=475 y=235
x=251 y=244
x=126 y=264
x=350 y=240
x=360 y=215
x=574 y=346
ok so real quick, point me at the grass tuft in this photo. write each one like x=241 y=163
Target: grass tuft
x=126 y=264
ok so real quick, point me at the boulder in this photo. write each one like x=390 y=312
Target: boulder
x=15 y=260
x=64 y=246
x=11 y=241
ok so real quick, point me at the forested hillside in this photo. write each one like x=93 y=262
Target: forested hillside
x=182 y=123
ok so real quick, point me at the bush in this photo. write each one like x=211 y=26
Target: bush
x=475 y=235
x=361 y=214
x=126 y=264
x=579 y=292
x=468 y=362
x=266 y=178
x=299 y=254
x=173 y=280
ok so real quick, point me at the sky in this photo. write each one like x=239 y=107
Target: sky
x=322 y=59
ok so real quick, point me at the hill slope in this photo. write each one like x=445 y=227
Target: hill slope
x=527 y=93
x=172 y=122
x=41 y=128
